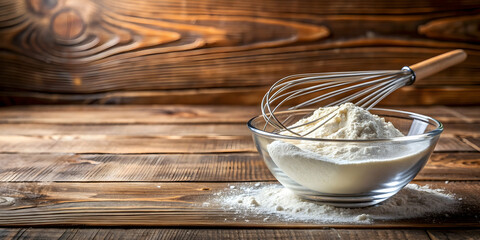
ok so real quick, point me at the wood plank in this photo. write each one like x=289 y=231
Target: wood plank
x=127 y=144
x=220 y=96
x=221 y=54
x=174 y=114
x=229 y=64
x=147 y=46
x=435 y=234
x=207 y=234
x=156 y=144
x=158 y=114
x=214 y=129
x=201 y=138
x=150 y=130
x=98 y=114
x=137 y=168
x=178 y=204
x=187 y=167
x=407 y=96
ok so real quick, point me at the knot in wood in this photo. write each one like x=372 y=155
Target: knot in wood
x=7 y=201
x=67 y=24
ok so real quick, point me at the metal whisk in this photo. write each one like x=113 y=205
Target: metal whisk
x=363 y=88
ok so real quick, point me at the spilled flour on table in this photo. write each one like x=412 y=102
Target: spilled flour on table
x=274 y=200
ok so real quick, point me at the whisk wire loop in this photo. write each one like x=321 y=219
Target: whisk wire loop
x=373 y=86
x=362 y=88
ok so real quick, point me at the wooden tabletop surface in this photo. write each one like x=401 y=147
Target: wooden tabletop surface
x=81 y=172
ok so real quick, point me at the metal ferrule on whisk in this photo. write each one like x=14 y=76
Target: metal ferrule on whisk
x=408 y=70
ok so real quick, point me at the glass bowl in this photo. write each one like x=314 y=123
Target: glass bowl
x=386 y=166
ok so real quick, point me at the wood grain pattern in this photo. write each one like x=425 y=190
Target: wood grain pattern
x=453 y=234
x=151 y=130
x=407 y=96
x=76 y=24
x=75 y=47
x=208 y=234
x=156 y=129
x=182 y=114
x=471 y=114
x=450 y=144
x=56 y=185
x=135 y=168
x=474 y=142
x=232 y=167
x=462 y=129
x=127 y=114
x=451 y=166
x=176 y=204
x=454 y=28
x=168 y=129
x=157 y=144
x=143 y=144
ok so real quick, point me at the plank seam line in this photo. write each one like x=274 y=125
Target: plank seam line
x=169 y=137
x=457 y=114
x=199 y=123
x=429 y=234
x=100 y=153
x=246 y=153
x=124 y=225
x=176 y=153
x=469 y=143
x=113 y=93
x=220 y=181
x=20 y=234
x=174 y=181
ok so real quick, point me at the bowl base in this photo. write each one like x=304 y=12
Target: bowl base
x=345 y=201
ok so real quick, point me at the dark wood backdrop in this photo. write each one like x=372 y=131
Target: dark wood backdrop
x=223 y=51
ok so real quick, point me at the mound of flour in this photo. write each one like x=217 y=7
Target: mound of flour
x=349 y=122
x=273 y=200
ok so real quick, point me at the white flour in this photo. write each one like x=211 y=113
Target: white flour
x=273 y=200
x=350 y=122
x=350 y=168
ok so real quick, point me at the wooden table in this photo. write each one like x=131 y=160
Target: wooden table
x=144 y=171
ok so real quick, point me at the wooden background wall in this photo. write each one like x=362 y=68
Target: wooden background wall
x=224 y=51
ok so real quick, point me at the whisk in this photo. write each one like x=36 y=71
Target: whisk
x=363 y=88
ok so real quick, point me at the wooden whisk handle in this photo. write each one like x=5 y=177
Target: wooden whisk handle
x=436 y=64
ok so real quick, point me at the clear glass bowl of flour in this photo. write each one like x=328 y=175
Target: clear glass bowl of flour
x=361 y=173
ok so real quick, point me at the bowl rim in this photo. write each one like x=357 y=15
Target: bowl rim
x=430 y=134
